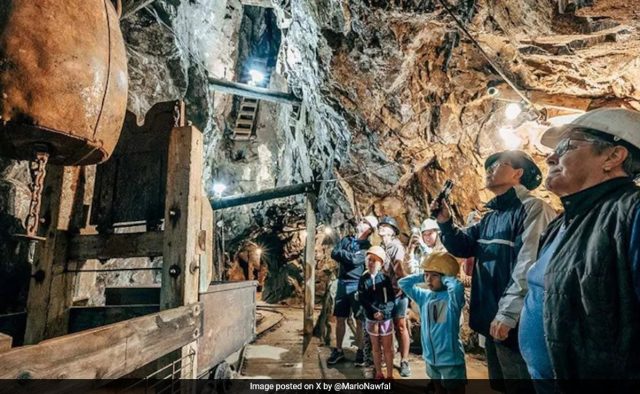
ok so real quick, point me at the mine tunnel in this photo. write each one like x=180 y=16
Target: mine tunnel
x=435 y=194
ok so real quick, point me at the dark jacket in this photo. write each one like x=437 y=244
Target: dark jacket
x=591 y=313
x=350 y=254
x=376 y=295
x=504 y=244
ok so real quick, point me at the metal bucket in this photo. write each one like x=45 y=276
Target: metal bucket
x=63 y=80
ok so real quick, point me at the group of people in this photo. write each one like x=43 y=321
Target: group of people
x=556 y=297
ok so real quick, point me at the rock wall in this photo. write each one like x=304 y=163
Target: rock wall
x=394 y=100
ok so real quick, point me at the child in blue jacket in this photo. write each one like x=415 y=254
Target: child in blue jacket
x=440 y=306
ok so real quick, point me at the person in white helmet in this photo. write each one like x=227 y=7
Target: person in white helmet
x=581 y=316
x=377 y=297
x=423 y=243
x=349 y=253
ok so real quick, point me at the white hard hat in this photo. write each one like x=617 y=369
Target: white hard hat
x=429 y=224
x=372 y=220
x=378 y=251
x=622 y=124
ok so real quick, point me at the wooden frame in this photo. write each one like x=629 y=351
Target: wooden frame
x=106 y=352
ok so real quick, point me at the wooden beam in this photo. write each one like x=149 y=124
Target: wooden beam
x=51 y=291
x=106 y=352
x=183 y=210
x=310 y=265
x=244 y=90
x=5 y=342
x=111 y=246
x=205 y=244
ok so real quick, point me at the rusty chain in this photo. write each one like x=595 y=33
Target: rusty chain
x=37 y=171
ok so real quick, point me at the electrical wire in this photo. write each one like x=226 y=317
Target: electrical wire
x=491 y=61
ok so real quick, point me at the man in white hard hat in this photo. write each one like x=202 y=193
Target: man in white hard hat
x=423 y=243
x=350 y=254
x=581 y=318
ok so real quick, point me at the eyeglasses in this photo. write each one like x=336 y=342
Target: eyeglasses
x=494 y=166
x=565 y=146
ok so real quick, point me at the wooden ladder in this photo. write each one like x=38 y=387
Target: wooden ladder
x=244 y=129
x=245 y=122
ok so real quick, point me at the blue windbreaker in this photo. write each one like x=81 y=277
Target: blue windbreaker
x=439 y=319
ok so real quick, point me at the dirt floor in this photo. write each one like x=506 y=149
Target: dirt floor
x=278 y=354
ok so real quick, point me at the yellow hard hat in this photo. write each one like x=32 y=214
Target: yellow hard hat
x=441 y=262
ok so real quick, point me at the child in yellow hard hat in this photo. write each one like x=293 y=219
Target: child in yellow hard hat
x=440 y=306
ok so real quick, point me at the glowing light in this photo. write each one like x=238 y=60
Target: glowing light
x=256 y=76
x=328 y=231
x=510 y=138
x=259 y=252
x=219 y=188
x=512 y=111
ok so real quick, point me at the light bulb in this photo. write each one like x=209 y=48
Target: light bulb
x=219 y=188
x=256 y=76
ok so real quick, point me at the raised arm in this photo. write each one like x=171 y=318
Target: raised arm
x=341 y=253
x=458 y=242
x=408 y=285
x=456 y=292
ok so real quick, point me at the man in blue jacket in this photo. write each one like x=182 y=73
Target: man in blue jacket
x=505 y=245
x=350 y=254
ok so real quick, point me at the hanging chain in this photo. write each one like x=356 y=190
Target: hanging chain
x=37 y=171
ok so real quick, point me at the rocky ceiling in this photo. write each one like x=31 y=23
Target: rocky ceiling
x=394 y=96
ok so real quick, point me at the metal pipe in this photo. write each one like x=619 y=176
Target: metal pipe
x=264 y=195
x=244 y=90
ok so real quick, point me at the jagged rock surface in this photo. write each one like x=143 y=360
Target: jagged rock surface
x=394 y=99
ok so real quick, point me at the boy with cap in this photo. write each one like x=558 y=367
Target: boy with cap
x=440 y=307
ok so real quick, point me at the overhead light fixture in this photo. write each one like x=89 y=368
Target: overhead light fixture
x=259 y=252
x=510 y=138
x=328 y=230
x=256 y=76
x=218 y=189
x=512 y=110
